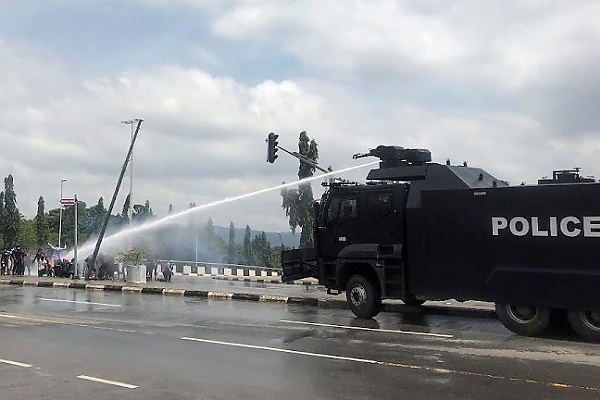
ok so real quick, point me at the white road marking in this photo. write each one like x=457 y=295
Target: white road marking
x=358 y=328
x=276 y=349
x=15 y=363
x=561 y=386
x=49 y=321
x=108 y=382
x=80 y=302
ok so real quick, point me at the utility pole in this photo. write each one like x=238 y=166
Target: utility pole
x=60 y=212
x=115 y=194
x=130 y=122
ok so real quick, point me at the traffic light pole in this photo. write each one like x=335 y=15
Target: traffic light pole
x=304 y=159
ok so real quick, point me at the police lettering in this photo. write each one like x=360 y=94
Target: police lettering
x=548 y=226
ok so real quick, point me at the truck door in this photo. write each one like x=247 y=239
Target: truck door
x=383 y=224
x=342 y=224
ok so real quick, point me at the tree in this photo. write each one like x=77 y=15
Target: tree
x=142 y=213
x=210 y=230
x=125 y=212
x=231 y=244
x=68 y=228
x=95 y=218
x=11 y=219
x=265 y=255
x=210 y=239
x=27 y=237
x=41 y=224
x=298 y=203
x=261 y=250
x=247 y=246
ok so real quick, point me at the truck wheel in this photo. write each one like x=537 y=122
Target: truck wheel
x=362 y=297
x=586 y=324
x=524 y=320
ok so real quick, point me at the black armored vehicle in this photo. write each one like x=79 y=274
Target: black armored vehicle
x=419 y=230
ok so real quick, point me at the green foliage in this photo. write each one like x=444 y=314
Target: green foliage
x=125 y=211
x=133 y=256
x=11 y=219
x=41 y=224
x=27 y=237
x=142 y=213
x=231 y=245
x=210 y=231
x=92 y=219
x=298 y=203
x=247 y=246
x=68 y=224
x=261 y=250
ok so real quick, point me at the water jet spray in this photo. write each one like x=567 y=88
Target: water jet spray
x=118 y=237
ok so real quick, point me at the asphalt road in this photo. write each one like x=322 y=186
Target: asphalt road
x=70 y=344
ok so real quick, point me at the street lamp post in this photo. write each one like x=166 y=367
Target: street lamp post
x=131 y=122
x=60 y=212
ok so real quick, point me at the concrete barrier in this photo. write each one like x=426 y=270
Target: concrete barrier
x=187 y=269
x=173 y=292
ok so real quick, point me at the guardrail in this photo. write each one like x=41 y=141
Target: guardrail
x=185 y=267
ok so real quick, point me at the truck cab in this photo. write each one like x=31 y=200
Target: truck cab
x=360 y=227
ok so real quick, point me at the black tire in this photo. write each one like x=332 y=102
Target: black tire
x=586 y=324
x=524 y=320
x=363 y=297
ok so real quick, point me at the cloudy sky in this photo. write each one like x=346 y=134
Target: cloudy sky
x=508 y=85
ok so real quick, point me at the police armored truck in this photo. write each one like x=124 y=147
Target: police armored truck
x=421 y=231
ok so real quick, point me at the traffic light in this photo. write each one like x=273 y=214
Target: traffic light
x=272 y=147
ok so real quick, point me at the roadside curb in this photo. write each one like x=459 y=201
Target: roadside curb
x=167 y=291
x=225 y=296
x=307 y=282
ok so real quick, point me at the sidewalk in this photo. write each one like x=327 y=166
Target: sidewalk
x=219 y=289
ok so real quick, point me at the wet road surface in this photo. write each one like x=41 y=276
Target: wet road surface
x=69 y=344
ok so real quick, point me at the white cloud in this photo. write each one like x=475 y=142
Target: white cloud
x=345 y=35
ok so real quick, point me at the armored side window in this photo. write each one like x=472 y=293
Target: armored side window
x=379 y=203
x=342 y=208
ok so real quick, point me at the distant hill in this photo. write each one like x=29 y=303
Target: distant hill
x=288 y=238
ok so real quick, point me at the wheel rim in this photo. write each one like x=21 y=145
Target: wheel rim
x=591 y=319
x=358 y=296
x=522 y=314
